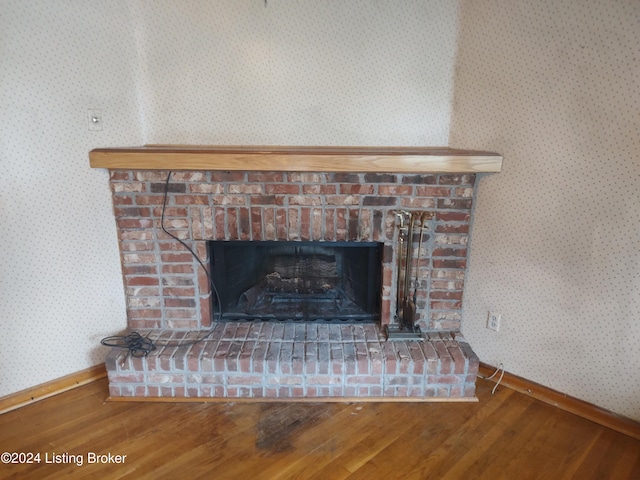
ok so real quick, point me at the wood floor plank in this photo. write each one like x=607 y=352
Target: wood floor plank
x=506 y=435
x=322 y=442
x=516 y=441
x=420 y=446
x=377 y=438
x=597 y=463
x=465 y=460
x=534 y=420
x=354 y=446
x=628 y=465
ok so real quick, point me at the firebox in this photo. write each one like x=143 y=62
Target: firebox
x=297 y=280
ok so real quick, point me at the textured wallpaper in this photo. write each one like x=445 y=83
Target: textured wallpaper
x=555 y=247
x=319 y=72
x=60 y=283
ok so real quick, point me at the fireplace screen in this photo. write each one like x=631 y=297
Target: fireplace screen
x=303 y=281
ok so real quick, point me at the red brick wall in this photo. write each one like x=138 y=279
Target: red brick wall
x=165 y=287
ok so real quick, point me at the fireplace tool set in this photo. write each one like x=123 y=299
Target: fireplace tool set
x=405 y=327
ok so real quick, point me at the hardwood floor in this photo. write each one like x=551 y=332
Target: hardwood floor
x=507 y=435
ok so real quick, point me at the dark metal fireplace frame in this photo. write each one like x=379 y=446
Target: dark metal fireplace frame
x=235 y=265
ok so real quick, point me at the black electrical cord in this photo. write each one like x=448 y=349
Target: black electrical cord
x=137 y=345
x=140 y=346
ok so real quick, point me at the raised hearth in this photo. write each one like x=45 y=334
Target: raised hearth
x=296 y=361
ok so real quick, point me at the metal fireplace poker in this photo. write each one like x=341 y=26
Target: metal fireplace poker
x=405 y=327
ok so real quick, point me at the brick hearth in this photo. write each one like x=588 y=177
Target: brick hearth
x=294 y=361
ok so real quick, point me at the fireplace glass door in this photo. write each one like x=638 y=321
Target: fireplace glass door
x=298 y=281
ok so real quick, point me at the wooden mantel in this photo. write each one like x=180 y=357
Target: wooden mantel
x=297 y=159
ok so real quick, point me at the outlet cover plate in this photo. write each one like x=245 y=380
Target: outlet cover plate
x=493 y=322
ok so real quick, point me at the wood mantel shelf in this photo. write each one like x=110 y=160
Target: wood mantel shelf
x=297 y=159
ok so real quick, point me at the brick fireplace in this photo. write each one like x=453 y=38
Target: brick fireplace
x=166 y=289
x=169 y=298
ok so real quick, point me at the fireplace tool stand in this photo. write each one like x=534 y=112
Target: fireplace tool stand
x=405 y=316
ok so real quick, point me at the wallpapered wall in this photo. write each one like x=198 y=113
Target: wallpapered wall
x=60 y=284
x=320 y=72
x=370 y=72
x=555 y=247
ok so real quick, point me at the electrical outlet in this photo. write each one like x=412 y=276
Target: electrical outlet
x=493 y=322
